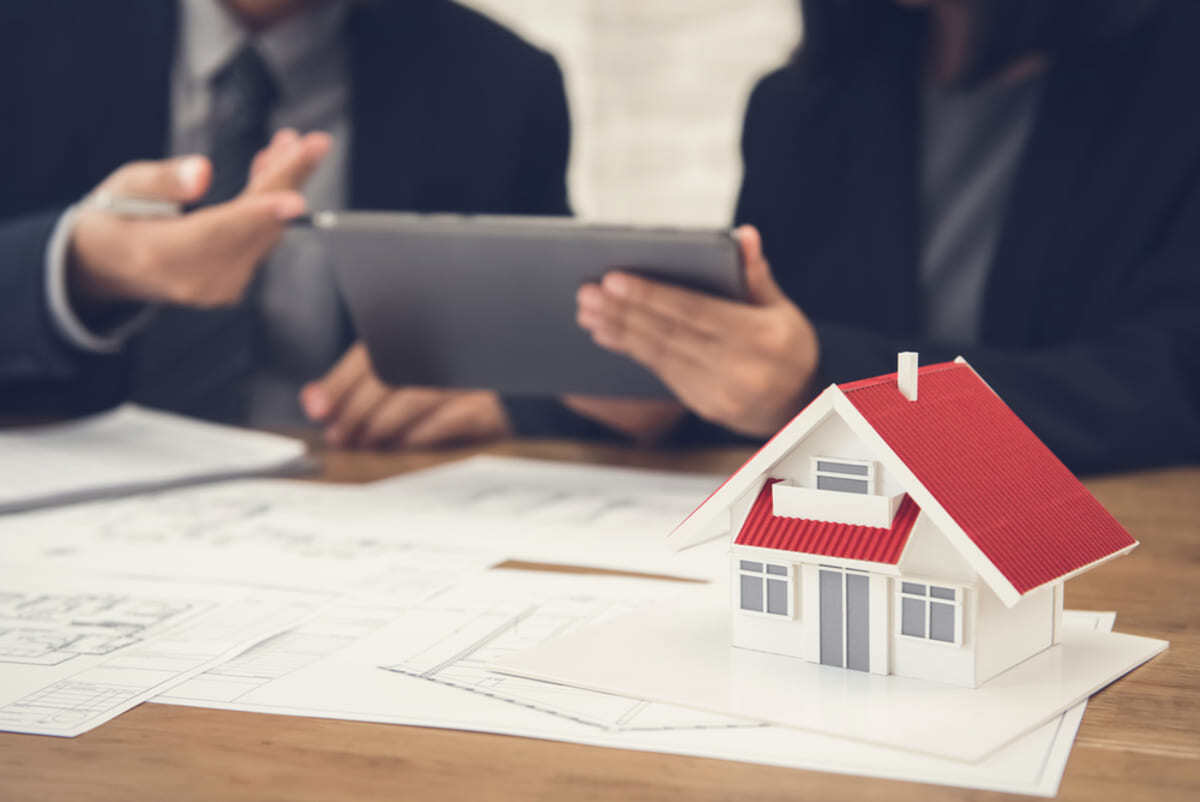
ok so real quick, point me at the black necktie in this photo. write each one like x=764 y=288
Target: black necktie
x=199 y=361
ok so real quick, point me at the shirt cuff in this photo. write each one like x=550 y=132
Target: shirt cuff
x=66 y=320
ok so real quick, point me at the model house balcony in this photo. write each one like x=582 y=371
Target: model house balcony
x=792 y=501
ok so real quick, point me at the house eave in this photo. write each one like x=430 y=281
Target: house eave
x=765 y=554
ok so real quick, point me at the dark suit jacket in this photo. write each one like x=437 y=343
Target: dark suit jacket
x=1091 y=321
x=450 y=112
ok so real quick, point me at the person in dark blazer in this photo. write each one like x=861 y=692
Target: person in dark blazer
x=417 y=104
x=1015 y=181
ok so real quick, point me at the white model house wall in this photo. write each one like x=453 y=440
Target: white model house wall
x=1009 y=635
x=929 y=555
x=933 y=660
x=831 y=438
x=930 y=559
x=765 y=632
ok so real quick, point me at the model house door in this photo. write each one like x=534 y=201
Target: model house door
x=844 y=619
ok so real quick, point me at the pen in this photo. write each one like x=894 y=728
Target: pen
x=129 y=206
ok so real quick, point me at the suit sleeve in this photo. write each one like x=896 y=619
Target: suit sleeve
x=39 y=371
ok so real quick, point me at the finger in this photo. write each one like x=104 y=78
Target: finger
x=181 y=179
x=630 y=328
x=695 y=309
x=355 y=411
x=292 y=166
x=283 y=139
x=322 y=397
x=676 y=367
x=760 y=283
x=402 y=410
x=466 y=416
x=690 y=381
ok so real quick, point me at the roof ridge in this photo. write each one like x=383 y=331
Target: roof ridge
x=874 y=381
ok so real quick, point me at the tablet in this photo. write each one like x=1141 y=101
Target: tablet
x=489 y=301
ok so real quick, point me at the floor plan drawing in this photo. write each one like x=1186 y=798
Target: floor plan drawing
x=50 y=629
x=75 y=652
x=333 y=630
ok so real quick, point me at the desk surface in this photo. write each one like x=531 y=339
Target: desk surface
x=1140 y=738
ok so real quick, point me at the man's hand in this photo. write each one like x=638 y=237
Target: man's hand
x=204 y=258
x=748 y=366
x=358 y=410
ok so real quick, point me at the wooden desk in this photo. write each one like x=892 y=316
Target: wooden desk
x=1140 y=738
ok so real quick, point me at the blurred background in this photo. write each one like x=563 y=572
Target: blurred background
x=657 y=91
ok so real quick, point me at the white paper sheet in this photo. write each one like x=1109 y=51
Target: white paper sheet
x=437 y=644
x=76 y=652
x=589 y=515
x=261 y=533
x=129 y=449
x=680 y=654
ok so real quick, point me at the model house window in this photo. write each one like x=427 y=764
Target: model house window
x=845 y=476
x=933 y=612
x=765 y=588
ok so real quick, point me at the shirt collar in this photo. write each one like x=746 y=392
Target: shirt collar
x=211 y=35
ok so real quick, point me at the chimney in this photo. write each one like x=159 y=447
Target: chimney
x=906 y=374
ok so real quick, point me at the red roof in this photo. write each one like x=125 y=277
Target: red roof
x=870 y=543
x=1004 y=488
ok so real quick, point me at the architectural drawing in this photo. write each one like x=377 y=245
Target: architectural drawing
x=71 y=659
x=334 y=629
x=49 y=629
x=464 y=640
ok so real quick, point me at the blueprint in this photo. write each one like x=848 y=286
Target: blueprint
x=50 y=629
x=434 y=648
x=75 y=652
x=259 y=533
x=444 y=634
x=456 y=635
x=560 y=512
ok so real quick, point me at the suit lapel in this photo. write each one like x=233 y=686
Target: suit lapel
x=389 y=105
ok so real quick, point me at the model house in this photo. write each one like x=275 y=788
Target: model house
x=908 y=524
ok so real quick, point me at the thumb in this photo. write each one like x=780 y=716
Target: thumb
x=180 y=180
x=759 y=282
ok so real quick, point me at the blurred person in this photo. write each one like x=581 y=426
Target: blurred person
x=246 y=112
x=1016 y=181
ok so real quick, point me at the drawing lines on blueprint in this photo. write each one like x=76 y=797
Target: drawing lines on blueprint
x=49 y=629
x=464 y=642
x=583 y=507
x=65 y=703
x=331 y=631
